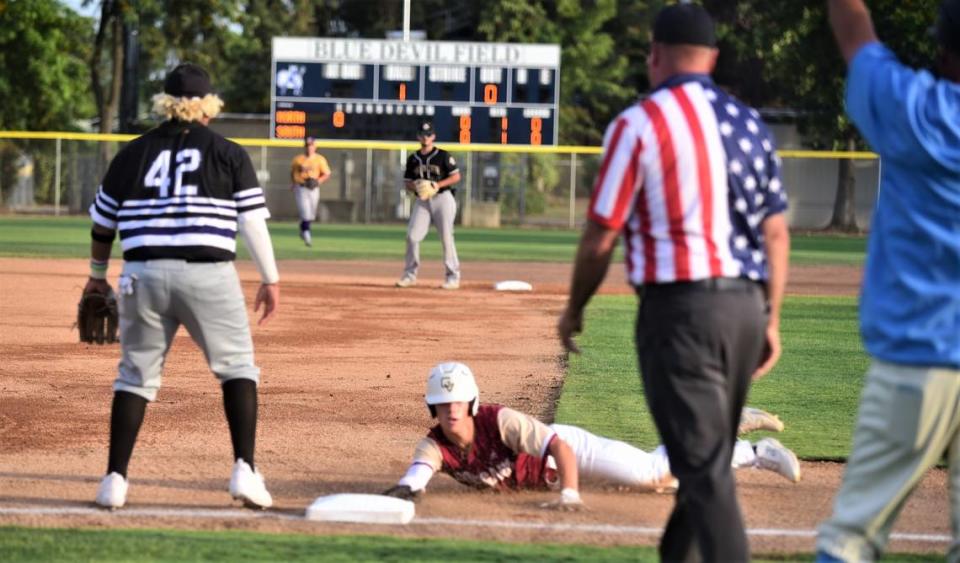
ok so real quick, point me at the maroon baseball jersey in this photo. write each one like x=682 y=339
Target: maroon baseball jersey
x=491 y=462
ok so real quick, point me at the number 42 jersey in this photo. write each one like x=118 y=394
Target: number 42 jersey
x=177 y=192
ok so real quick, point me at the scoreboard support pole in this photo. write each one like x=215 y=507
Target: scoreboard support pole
x=465 y=217
x=573 y=187
x=368 y=187
x=56 y=180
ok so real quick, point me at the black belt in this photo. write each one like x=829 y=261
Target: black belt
x=709 y=284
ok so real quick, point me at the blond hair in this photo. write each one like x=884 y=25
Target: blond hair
x=186 y=109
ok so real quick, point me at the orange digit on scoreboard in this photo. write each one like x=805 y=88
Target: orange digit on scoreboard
x=338 y=119
x=403 y=92
x=290 y=131
x=490 y=94
x=291 y=116
x=503 y=130
x=464 y=129
x=536 y=126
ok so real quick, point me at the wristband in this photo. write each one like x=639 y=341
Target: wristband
x=106 y=239
x=98 y=269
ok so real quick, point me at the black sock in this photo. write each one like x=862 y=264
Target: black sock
x=126 y=417
x=240 y=406
x=304 y=225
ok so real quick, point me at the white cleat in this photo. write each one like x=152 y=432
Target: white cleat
x=406 y=281
x=307 y=239
x=451 y=283
x=774 y=456
x=112 y=493
x=247 y=485
x=755 y=419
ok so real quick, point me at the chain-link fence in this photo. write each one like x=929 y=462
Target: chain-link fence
x=545 y=187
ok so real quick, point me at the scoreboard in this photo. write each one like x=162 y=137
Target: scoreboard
x=368 y=89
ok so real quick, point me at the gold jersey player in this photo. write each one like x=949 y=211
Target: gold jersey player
x=307 y=172
x=490 y=446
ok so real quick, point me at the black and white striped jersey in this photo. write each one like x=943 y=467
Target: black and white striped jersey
x=178 y=192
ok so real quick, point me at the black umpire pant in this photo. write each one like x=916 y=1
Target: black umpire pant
x=698 y=344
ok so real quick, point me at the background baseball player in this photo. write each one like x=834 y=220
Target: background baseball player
x=491 y=446
x=437 y=165
x=178 y=195
x=307 y=172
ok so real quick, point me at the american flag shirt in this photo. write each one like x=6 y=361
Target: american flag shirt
x=689 y=174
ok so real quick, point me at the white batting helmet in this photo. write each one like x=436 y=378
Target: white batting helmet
x=452 y=382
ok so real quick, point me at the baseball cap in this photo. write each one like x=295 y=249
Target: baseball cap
x=425 y=129
x=187 y=81
x=685 y=24
x=309 y=140
x=947 y=28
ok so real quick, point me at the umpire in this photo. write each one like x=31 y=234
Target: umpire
x=691 y=180
x=178 y=195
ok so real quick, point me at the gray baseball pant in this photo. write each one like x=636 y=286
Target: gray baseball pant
x=307 y=201
x=441 y=210
x=157 y=296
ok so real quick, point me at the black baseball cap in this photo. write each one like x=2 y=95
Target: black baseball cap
x=685 y=24
x=425 y=129
x=947 y=28
x=187 y=81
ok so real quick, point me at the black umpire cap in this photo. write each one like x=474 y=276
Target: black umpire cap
x=425 y=129
x=947 y=28
x=685 y=24
x=187 y=81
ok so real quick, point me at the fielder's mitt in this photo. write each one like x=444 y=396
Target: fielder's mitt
x=425 y=189
x=311 y=183
x=97 y=318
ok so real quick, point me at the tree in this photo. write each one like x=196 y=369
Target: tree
x=106 y=93
x=593 y=72
x=782 y=53
x=43 y=81
x=43 y=76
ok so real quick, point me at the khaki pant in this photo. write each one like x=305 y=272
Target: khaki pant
x=909 y=417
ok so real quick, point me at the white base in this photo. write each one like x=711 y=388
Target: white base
x=512 y=285
x=367 y=509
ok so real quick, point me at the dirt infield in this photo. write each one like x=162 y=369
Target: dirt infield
x=341 y=407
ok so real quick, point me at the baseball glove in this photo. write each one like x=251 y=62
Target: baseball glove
x=311 y=183
x=425 y=189
x=97 y=318
x=402 y=492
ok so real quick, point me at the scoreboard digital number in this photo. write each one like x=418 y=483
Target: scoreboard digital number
x=367 y=89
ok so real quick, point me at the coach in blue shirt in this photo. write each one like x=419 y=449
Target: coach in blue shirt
x=910 y=304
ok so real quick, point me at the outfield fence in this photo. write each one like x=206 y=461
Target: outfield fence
x=58 y=173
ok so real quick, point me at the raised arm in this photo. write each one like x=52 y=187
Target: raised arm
x=852 y=26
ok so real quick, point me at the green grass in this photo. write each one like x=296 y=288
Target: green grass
x=68 y=237
x=54 y=544
x=26 y=544
x=815 y=388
